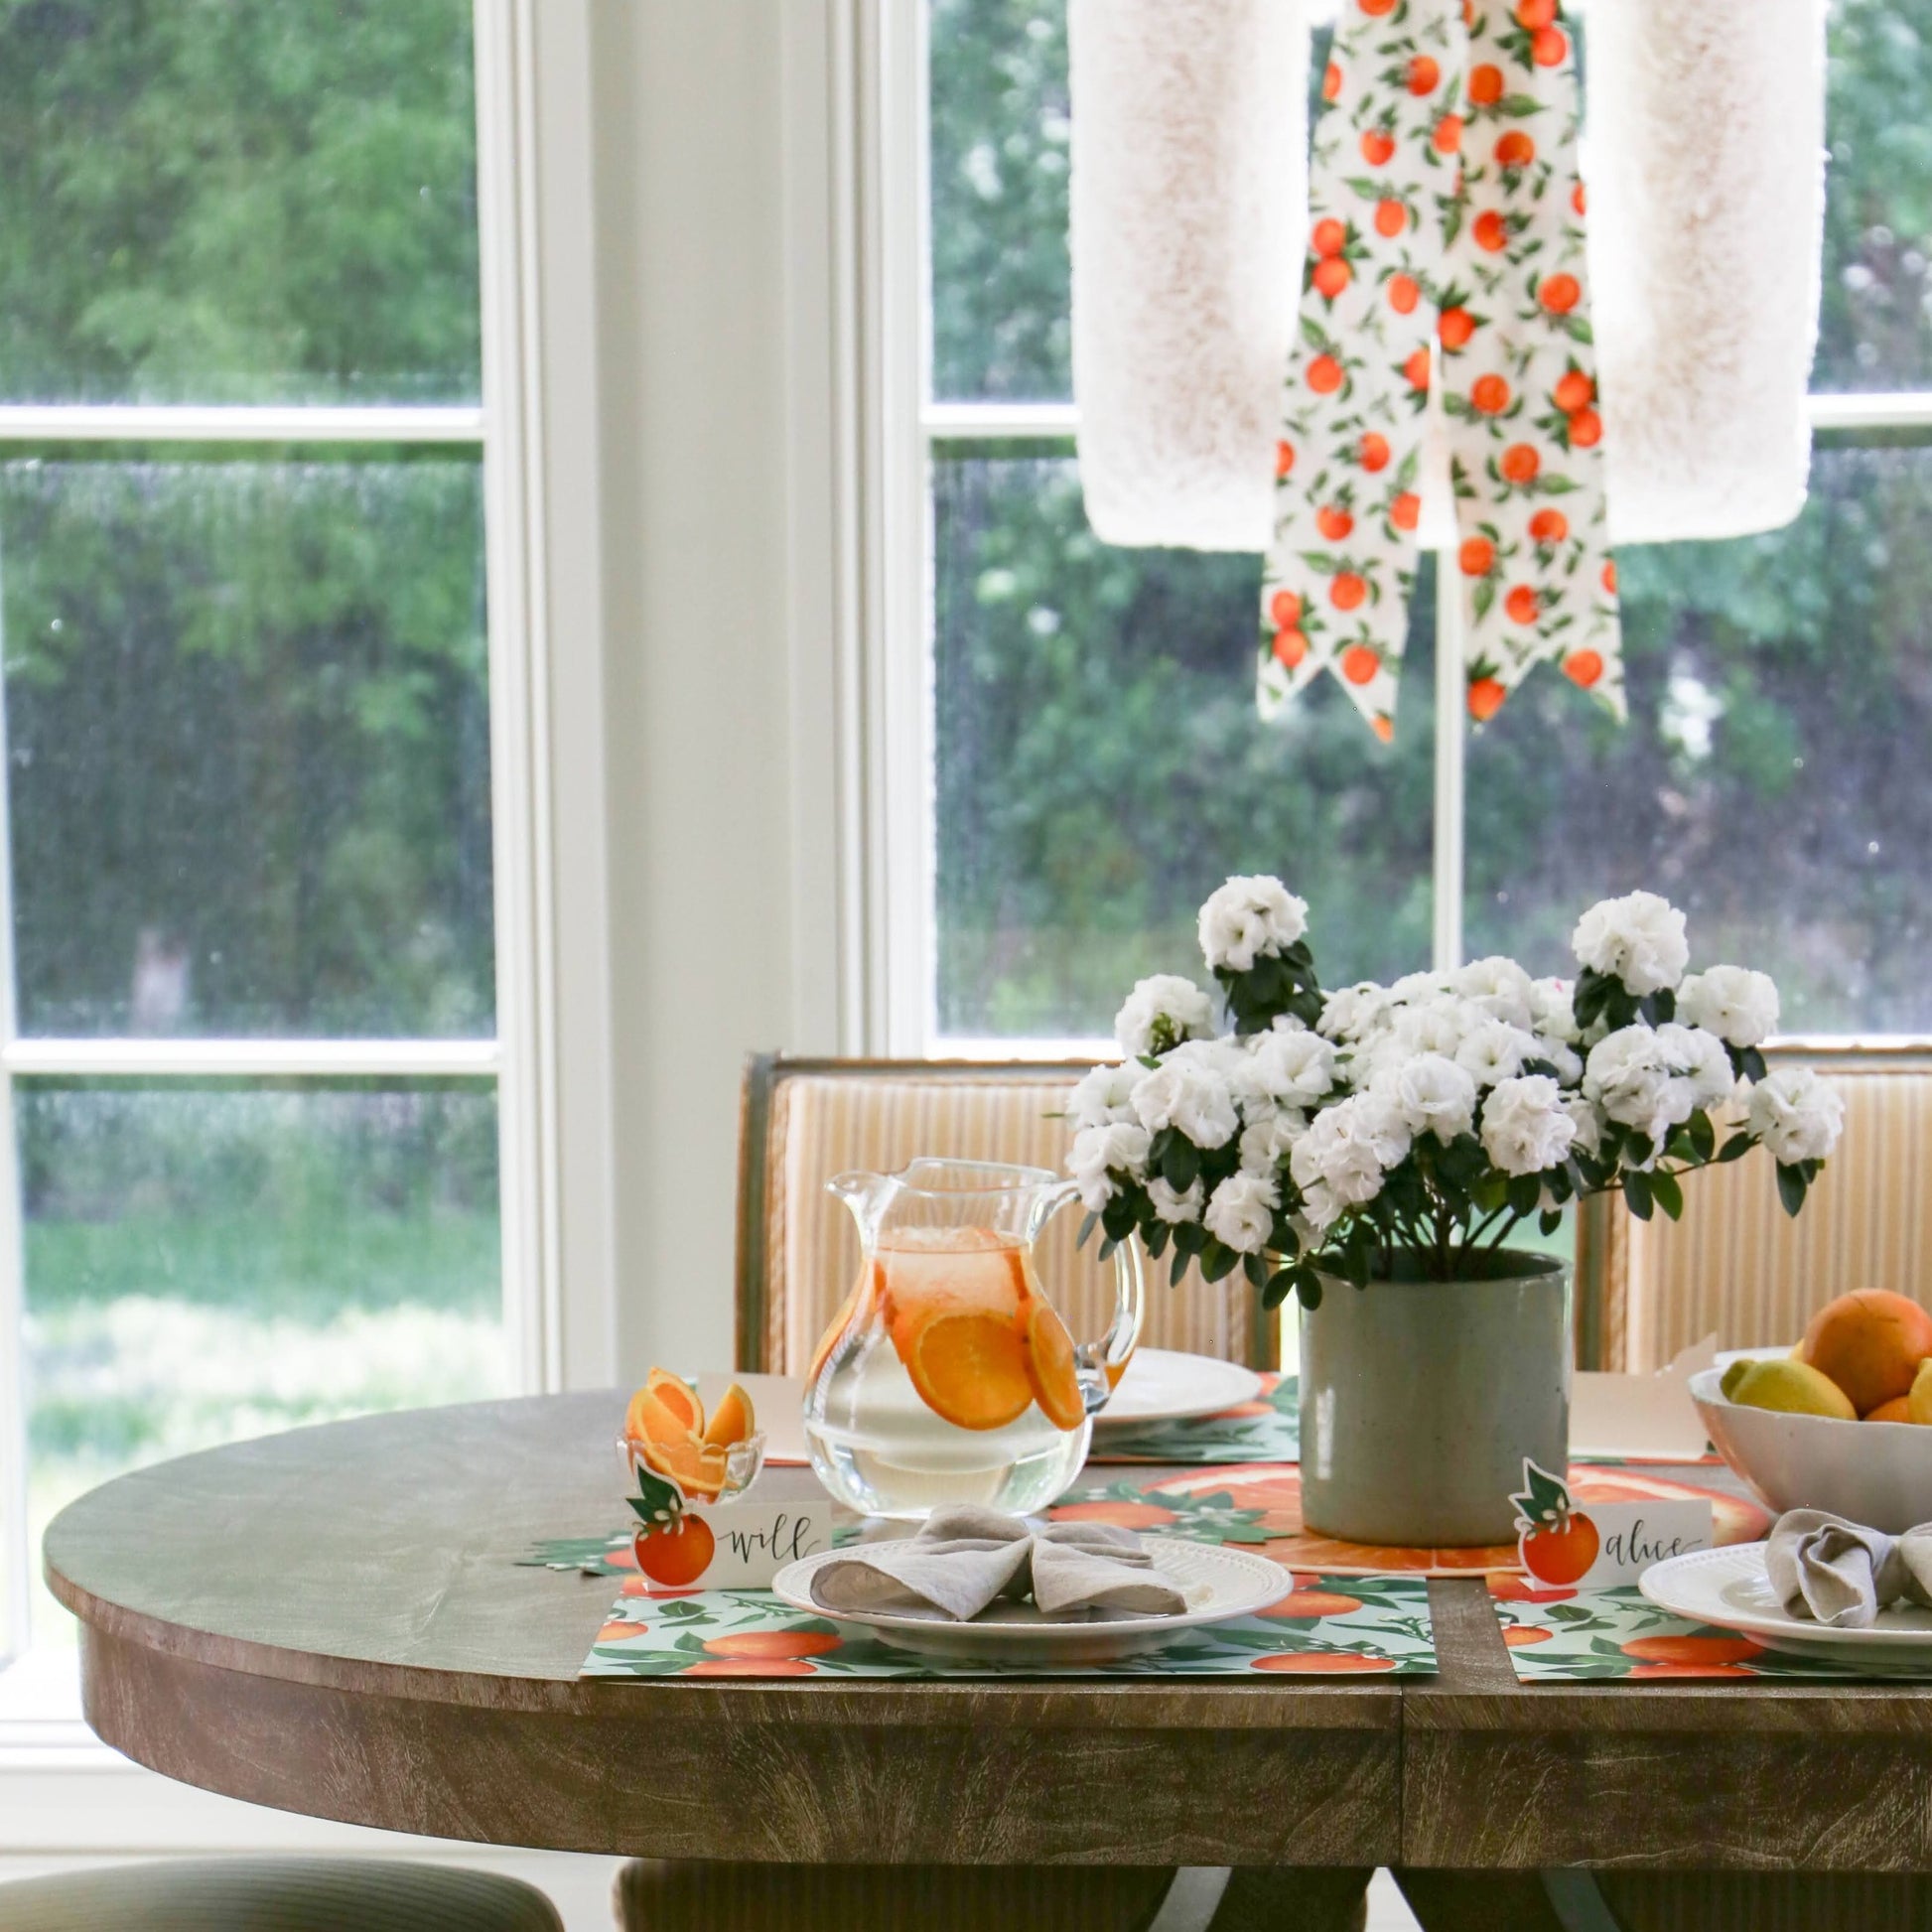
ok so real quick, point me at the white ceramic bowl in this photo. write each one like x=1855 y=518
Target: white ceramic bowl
x=1879 y=1474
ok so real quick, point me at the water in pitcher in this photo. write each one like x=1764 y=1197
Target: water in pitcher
x=946 y=1377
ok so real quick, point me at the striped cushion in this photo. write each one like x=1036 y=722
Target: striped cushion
x=1738 y=1266
x=823 y=1123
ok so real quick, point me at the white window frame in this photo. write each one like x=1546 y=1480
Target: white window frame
x=899 y=829
x=548 y=835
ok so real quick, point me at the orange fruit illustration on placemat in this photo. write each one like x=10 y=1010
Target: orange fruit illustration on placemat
x=774 y=1643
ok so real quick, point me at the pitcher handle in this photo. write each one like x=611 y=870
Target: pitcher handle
x=1100 y=1364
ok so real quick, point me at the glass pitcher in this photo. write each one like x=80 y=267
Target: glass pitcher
x=948 y=1376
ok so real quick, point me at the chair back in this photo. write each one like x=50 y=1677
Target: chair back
x=1738 y=1266
x=804 y=1121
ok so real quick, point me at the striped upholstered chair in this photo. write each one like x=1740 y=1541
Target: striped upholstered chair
x=805 y=1121
x=1738 y=1266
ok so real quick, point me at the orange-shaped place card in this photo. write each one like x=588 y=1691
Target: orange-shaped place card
x=1563 y=1547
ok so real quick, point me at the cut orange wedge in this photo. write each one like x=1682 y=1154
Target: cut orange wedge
x=664 y=1410
x=1050 y=1368
x=970 y=1369
x=697 y=1468
x=731 y=1421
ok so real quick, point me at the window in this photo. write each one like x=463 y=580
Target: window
x=264 y=1136
x=1096 y=761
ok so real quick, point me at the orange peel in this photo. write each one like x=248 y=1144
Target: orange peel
x=733 y=1420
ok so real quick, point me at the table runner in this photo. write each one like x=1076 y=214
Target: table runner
x=1617 y=1635
x=1259 y=1505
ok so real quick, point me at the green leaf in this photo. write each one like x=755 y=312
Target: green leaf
x=1703 y=1136
x=1734 y=1148
x=1088 y=1223
x=1180 y=1268
x=1791 y=1186
x=1636 y=1190
x=1667 y=1195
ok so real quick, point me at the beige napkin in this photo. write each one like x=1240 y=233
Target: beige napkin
x=1842 y=1574
x=966 y=1558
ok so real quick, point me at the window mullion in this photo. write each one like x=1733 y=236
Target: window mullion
x=1452 y=743
x=16 y=1554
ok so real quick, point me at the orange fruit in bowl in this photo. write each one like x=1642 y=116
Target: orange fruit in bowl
x=1870 y=1343
x=665 y=1410
x=695 y=1465
x=733 y=1420
x=1898 y=1409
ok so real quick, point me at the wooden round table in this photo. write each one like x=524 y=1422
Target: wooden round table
x=335 y=1622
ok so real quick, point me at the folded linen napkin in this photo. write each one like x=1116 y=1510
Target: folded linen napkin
x=966 y=1558
x=1842 y=1574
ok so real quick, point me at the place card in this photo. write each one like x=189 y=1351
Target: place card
x=1565 y=1546
x=1641 y=1416
x=685 y=1544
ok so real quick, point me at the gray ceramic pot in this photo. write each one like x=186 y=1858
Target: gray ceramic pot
x=1420 y=1399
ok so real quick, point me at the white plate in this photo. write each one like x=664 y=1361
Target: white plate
x=1729 y=1587
x=1161 y=1384
x=1222 y=1583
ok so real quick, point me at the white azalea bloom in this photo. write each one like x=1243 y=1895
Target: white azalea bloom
x=1493 y=1051
x=1498 y=986
x=1379 y=1125
x=1291 y=1069
x=1589 y=1123
x=1437 y=1025
x=1189 y=1097
x=1265 y=1143
x=1732 y=1001
x=1431 y=1094
x=1160 y=1012
x=1355 y=1011
x=1638 y=939
x=1224 y=1056
x=1335 y=1155
x=1625 y=1076
x=1247 y=918
x=1118 y=1147
x=1417 y=986
x=1319 y=1208
x=1700 y=1057
x=1798 y=1116
x=1103 y=1096
x=1568 y=1062
x=1551 y=1013
x=1172 y=1208
x=1526 y=1128
x=1241 y=1215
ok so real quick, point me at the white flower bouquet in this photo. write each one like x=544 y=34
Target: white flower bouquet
x=1328 y=1132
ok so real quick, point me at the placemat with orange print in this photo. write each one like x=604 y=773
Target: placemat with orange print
x=1322 y=1626
x=1260 y=1504
x=1567 y=1637
x=1265 y=1429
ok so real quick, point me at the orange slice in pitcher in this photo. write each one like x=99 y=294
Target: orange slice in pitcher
x=731 y=1421
x=969 y=1368
x=851 y=1310
x=1050 y=1368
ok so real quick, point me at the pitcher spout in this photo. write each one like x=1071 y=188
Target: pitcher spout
x=865 y=1194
